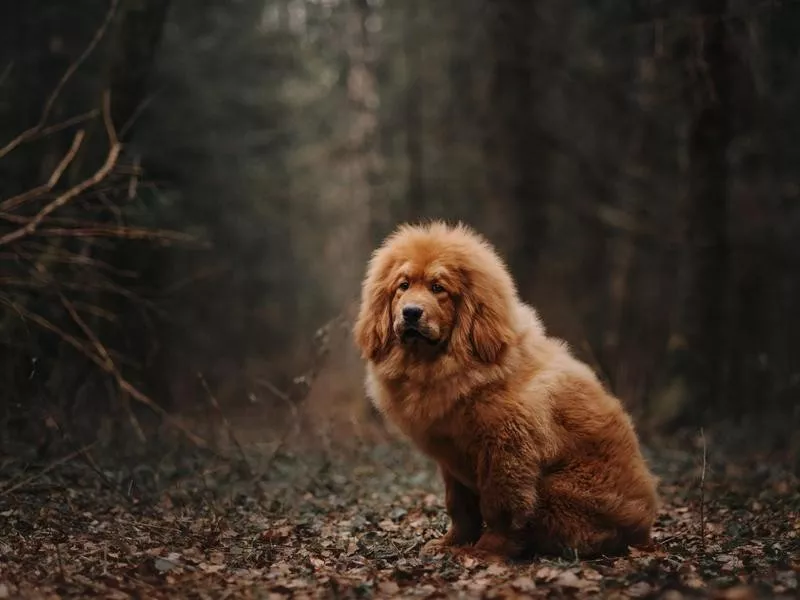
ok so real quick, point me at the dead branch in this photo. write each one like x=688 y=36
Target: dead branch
x=215 y=404
x=15 y=201
x=112 y=208
x=6 y=72
x=66 y=123
x=59 y=255
x=133 y=181
x=95 y=342
x=96 y=311
x=101 y=351
x=77 y=190
x=275 y=391
x=703 y=495
x=303 y=383
x=37 y=283
x=104 y=479
x=25 y=314
x=109 y=368
x=57 y=463
x=322 y=339
x=71 y=70
x=107 y=364
x=131 y=233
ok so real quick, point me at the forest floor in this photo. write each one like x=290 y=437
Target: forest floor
x=348 y=521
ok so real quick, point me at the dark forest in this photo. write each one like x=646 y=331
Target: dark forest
x=190 y=192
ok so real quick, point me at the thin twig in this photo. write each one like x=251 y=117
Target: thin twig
x=105 y=479
x=57 y=463
x=91 y=463
x=80 y=228
x=213 y=400
x=63 y=199
x=34 y=282
x=56 y=127
x=107 y=364
x=133 y=182
x=292 y=400
x=136 y=114
x=123 y=384
x=6 y=72
x=59 y=255
x=273 y=389
x=87 y=331
x=287 y=432
x=15 y=201
x=131 y=233
x=27 y=315
x=61 y=572
x=703 y=495
x=71 y=70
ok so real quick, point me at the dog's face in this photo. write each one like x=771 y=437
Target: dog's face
x=432 y=290
x=423 y=304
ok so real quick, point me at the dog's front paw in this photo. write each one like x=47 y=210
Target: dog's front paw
x=495 y=547
x=448 y=541
x=470 y=554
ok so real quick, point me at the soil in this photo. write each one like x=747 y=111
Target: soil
x=346 y=519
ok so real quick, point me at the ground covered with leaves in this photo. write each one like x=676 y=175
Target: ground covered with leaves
x=349 y=522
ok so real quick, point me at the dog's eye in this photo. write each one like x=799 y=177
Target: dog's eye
x=436 y=288
x=403 y=285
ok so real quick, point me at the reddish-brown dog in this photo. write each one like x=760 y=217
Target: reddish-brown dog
x=536 y=456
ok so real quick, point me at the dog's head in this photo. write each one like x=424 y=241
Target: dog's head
x=435 y=289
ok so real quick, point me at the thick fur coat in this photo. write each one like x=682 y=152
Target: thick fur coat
x=536 y=456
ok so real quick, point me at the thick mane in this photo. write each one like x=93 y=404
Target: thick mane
x=487 y=301
x=488 y=395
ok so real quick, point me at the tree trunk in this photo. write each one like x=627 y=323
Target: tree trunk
x=705 y=306
x=416 y=205
x=516 y=156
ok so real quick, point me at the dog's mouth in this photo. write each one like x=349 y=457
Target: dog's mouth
x=411 y=334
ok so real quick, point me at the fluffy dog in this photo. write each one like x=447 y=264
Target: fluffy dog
x=536 y=456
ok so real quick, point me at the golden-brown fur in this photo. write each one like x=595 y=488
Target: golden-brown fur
x=535 y=455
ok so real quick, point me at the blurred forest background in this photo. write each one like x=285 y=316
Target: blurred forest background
x=189 y=192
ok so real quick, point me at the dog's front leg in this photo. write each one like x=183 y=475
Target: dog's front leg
x=507 y=487
x=463 y=507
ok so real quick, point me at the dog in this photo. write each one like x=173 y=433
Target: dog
x=535 y=455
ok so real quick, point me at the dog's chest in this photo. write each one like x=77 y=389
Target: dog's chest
x=430 y=422
x=413 y=408
x=450 y=453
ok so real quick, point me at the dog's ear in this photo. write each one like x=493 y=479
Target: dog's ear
x=484 y=328
x=490 y=332
x=372 y=330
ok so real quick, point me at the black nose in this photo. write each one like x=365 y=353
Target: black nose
x=412 y=313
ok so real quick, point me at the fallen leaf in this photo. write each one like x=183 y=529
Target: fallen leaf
x=389 y=587
x=496 y=569
x=523 y=584
x=164 y=565
x=640 y=590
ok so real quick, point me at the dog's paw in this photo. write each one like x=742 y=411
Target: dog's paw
x=470 y=555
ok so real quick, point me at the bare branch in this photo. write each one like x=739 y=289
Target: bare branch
x=55 y=128
x=703 y=495
x=57 y=463
x=101 y=351
x=15 y=201
x=215 y=404
x=66 y=197
x=71 y=70
x=131 y=233
x=109 y=368
x=6 y=72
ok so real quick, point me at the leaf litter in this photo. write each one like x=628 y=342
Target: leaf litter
x=349 y=523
